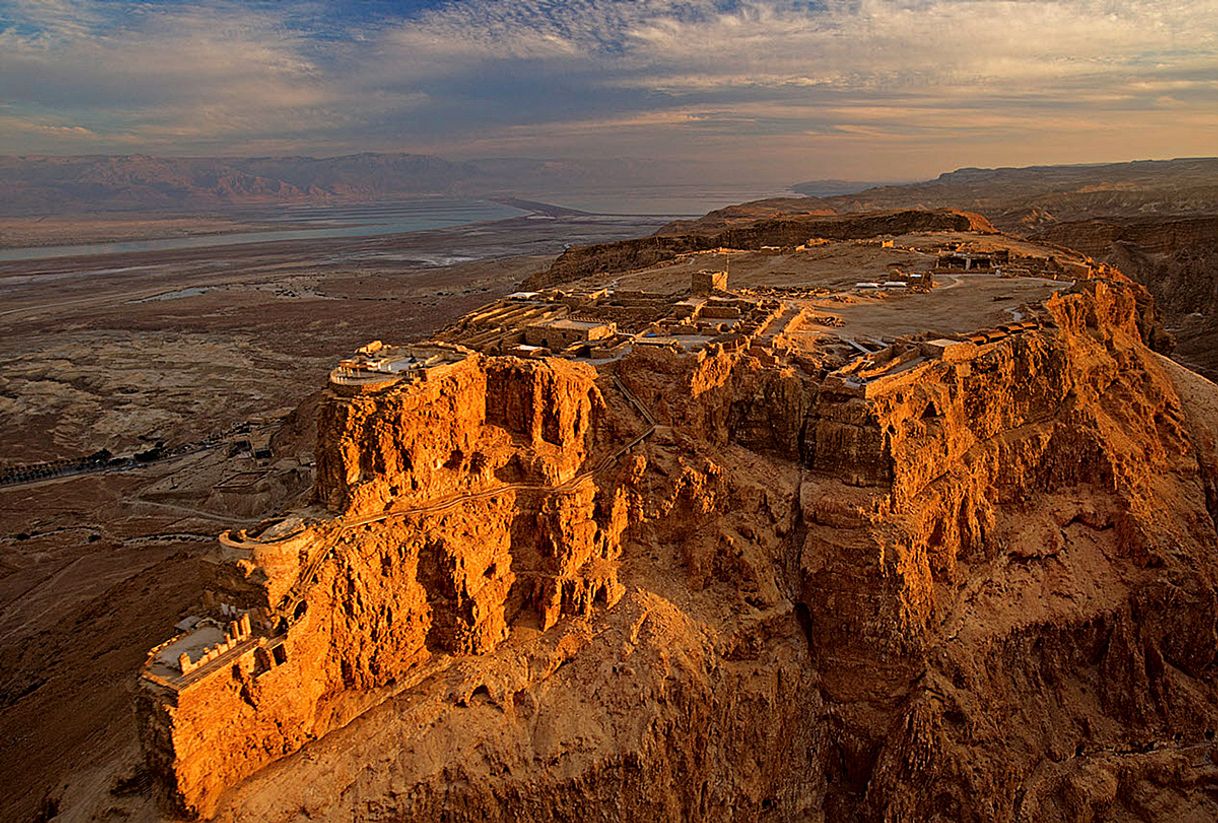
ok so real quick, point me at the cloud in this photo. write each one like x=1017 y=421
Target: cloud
x=195 y=75
x=783 y=86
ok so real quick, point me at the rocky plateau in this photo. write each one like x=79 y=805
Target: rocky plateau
x=969 y=574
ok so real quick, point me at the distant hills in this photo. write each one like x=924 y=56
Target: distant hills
x=1039 y=195
x=834 y=187
x=1012 y=198
x=34 y=185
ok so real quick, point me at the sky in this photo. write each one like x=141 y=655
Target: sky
x=764 y=90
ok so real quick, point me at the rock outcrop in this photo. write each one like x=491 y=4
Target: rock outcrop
x=456 y=507
x=980 y=587
x=1176 y=259
x=1002 y=574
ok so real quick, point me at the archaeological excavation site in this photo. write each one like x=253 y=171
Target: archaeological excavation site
x=882 y=517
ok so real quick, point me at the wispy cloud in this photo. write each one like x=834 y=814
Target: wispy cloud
x=775 y=88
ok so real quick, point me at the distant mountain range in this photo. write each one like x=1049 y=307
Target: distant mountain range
x=834 y=187
x=1039 y=195
x=61 y=185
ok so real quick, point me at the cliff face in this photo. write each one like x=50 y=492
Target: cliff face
x=1175 y=258
x=979 y=588
x=496 y=421
x=983 y=543
x=1018 y=577
x=457 y=507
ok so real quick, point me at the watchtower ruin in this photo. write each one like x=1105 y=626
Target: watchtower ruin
x=708 y=282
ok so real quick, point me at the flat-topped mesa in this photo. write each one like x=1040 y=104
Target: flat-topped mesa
x=870 y=454
x=464 y=493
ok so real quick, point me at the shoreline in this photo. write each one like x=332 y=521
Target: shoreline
x=368 y=246
x=143 y=227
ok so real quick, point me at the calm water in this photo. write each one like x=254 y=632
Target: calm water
x=344 y=221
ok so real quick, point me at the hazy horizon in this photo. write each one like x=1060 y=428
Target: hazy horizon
x=762 y=90
x=323 y=155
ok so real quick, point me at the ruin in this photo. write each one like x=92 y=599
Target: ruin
x=377 y=366
x=977 y=262
x=708 y=282
x=560 y=334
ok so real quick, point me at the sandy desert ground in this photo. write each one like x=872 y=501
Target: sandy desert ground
x=54 y=230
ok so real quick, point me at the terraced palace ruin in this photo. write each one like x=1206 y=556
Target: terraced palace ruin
x=902 y=522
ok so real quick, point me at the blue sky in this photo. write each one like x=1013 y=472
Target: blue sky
x=766 y=90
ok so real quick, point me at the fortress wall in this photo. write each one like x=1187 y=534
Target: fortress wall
x=225 y=726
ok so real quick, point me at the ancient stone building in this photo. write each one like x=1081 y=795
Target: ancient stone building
x=705 y=282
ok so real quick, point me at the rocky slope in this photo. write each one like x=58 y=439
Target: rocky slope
x=1177 y=260
x=983 y=588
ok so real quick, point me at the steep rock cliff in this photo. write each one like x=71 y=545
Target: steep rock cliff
x=1017 y=578
x=982 y=588
x=456 y=507
x=497 y=420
